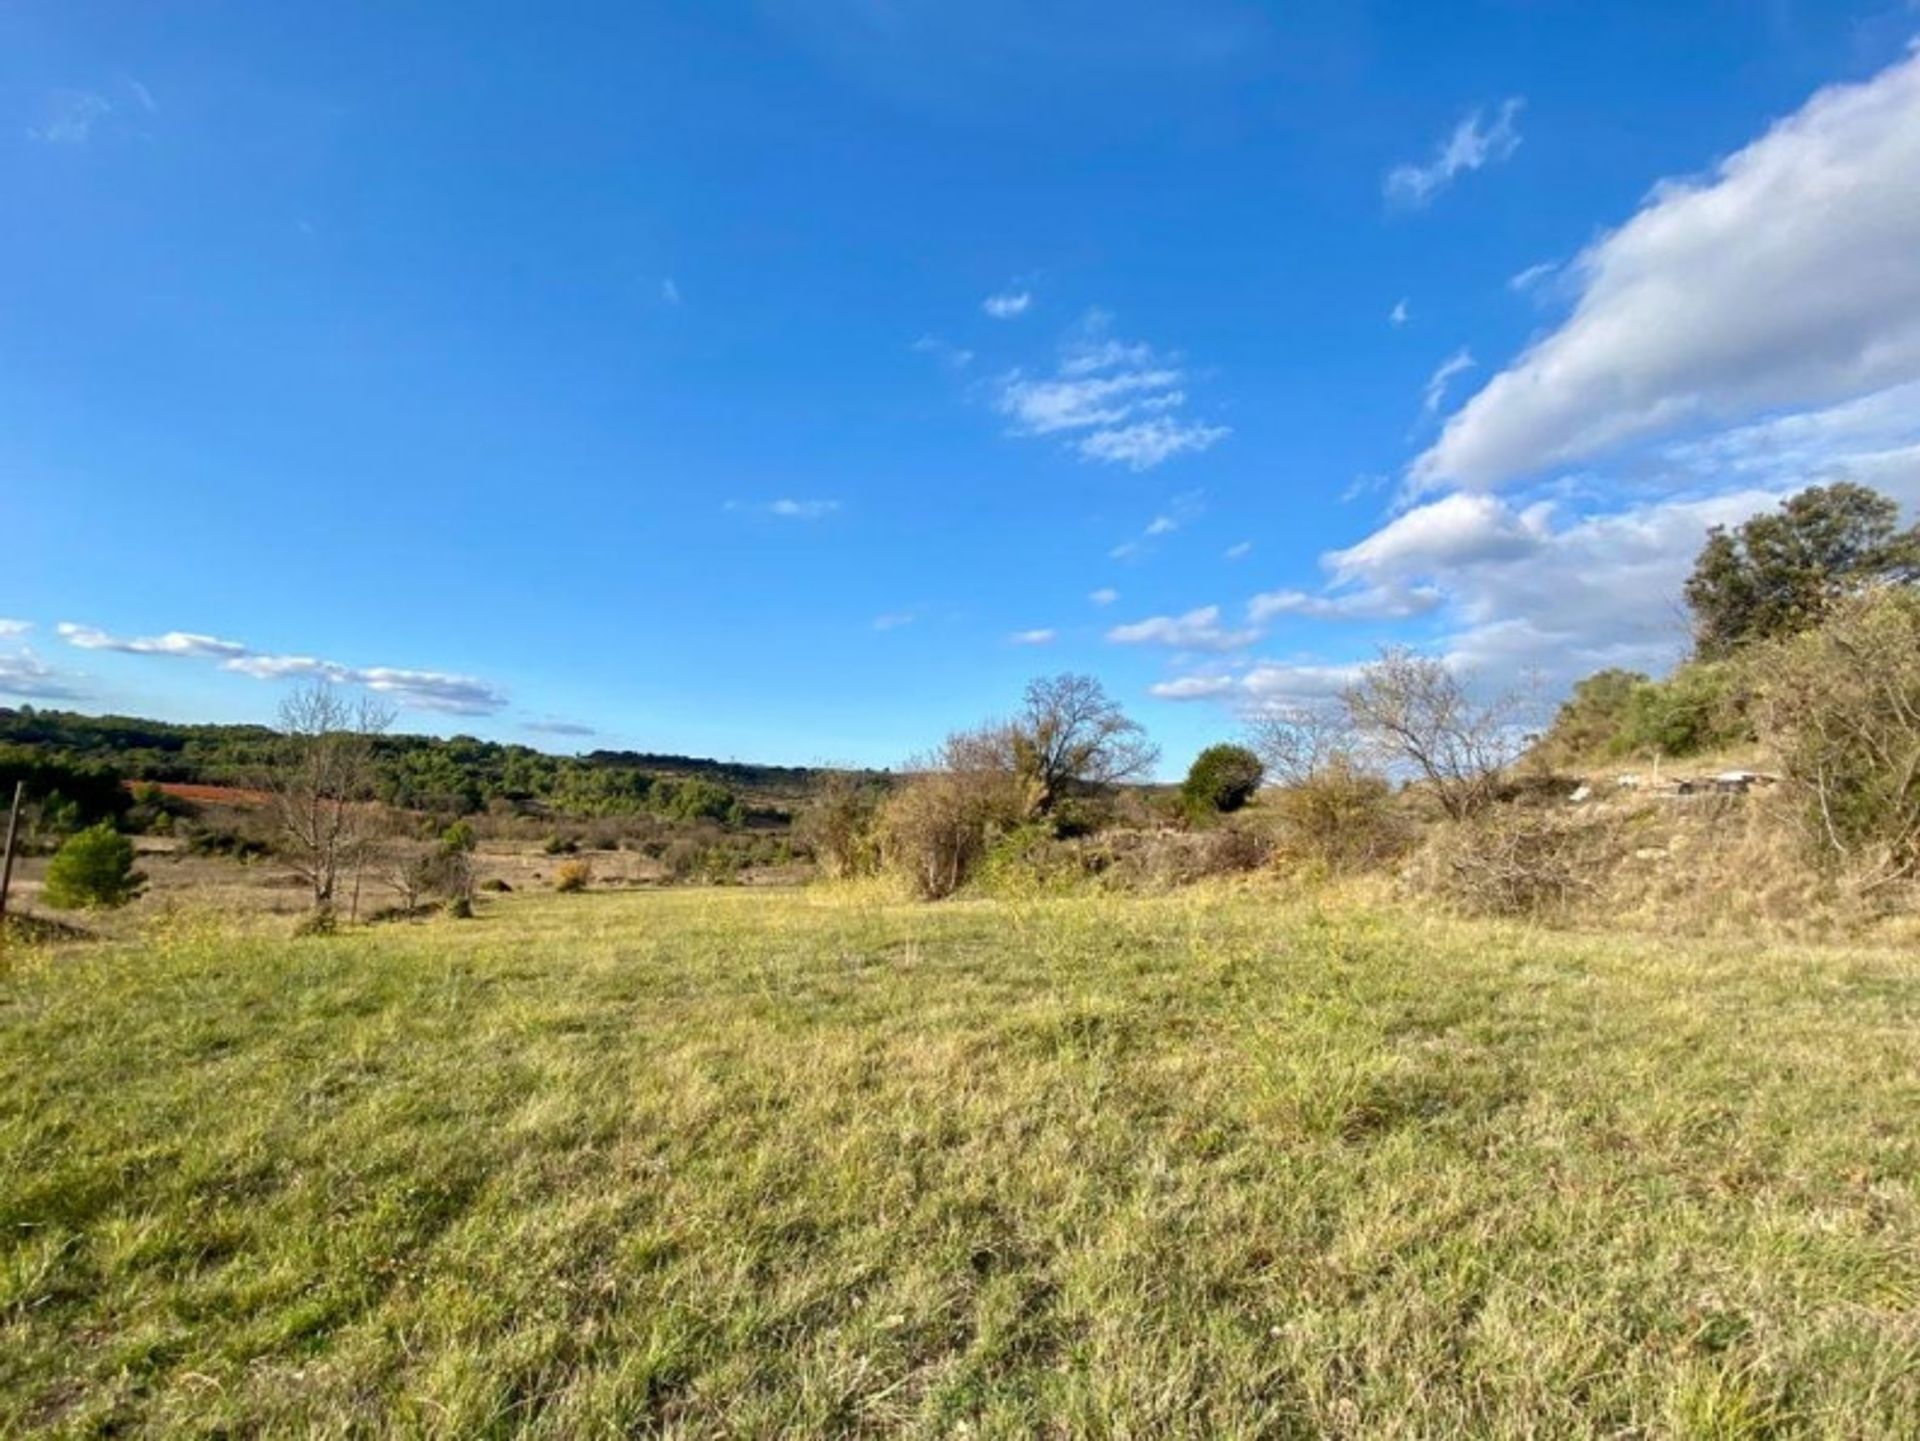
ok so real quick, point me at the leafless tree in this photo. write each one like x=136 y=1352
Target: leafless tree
x=1419 y=713
x=1301 y=742
x=323 y=784
x=1071 y=735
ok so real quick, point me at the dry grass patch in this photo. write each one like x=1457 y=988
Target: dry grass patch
x=724 y=1163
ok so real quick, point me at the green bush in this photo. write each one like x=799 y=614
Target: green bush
x=1700 y=707
x=93 y=870
x=1223 y=778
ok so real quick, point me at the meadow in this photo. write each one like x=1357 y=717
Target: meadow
x=702 y=1162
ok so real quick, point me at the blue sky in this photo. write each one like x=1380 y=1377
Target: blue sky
x=792 y=381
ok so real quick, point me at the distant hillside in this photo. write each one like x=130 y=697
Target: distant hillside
x=456 y=775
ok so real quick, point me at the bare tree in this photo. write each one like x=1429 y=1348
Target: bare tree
x=323 y=785
x=1071 y=735
x=1417 y=712
x=1301 y=742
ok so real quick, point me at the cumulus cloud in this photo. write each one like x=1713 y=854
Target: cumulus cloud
x=1042 y=636
x=1120 y=401
x=1196 y=630
x=1784 y=279
x=1269 y=686
x=27 y=676
x=1473 y=143
x=1008 y=304
x=1455 y=530
x=415 y=689
x=15 y=627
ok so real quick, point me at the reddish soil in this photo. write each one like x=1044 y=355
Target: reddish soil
x=206 y=795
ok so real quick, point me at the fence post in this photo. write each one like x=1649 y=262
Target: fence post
x=6 y=866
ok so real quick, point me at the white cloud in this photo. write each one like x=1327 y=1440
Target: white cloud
x=1469 y=146
x=1238 y=552
x=1106 y=595
x=1371 y=603
x=142 y=96
x=70 y=117
x=786 y=508
x=1785 y=279
x=558 y=728
x=1193 y=687
x=417 y=689
x=893 y=620
x=1196 y=630
x=27 y=676
x=15 y=627
x=1455 y=530
x=1042 y=636
x=954 y=357
x=174 y=642
x=1399 y=315
x=1532 y=276
x=1120 y=400
x=1007 y=304
x=1152 y=442
x=1162 y=525
x=1435 y=393
x=670 y=291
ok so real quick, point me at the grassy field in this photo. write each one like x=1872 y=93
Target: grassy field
x=709 y=1162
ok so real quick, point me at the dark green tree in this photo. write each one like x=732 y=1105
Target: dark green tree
x=1781 y=572
x=94 y=869
x=1222 y=778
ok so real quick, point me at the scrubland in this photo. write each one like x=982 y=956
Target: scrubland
x=1238 y=1160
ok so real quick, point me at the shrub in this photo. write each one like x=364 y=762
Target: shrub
x=837 y=825
x=572 y=875
x=1341 y=818
x=1700 y=707
x=93 y=870
x=1513 y=862
x=459 y=837
x=1841 y=707
x=560 y=846
x=1222 y=779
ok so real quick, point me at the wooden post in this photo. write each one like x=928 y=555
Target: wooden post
x=13 y=826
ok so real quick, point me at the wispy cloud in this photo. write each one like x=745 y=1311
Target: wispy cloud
x=558 y=728
x=1008 y=304
x=174 y=642
x=1195 y=630
x=1399 y=315
x=1042 y=636
x=417 y=689
x=1120 y=400
x=1473 y=143
x=15 y=627
x=27 y=676
x=894 y=619
x=1435 y=394
x=70 y=117
x=1106 y=595
x=1533 y=276
x=670 y=291
x=954 y=357
x=1238 y=552
x=786 y=508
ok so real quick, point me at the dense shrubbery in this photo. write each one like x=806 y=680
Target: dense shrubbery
x=1840 y=705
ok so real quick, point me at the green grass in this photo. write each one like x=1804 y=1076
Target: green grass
x=707 y=1163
